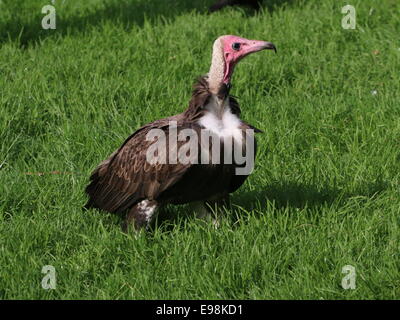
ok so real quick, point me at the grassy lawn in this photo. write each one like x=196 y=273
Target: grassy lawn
x=325 y=190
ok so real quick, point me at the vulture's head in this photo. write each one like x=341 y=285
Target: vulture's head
x=227 y=52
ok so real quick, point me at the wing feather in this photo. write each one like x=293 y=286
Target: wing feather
x=127 y=177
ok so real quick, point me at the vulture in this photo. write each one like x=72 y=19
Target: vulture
x=195 y=157
x=255 y=4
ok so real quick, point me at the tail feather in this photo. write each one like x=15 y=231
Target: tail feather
x=105 y=197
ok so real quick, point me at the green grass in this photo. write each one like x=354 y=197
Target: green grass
x=325 y=191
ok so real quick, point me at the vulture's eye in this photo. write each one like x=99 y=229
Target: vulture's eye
x=236 y=46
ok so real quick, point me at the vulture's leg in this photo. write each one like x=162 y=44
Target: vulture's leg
x=201 y=210
x=140 y=215
x=218 y=207
x=211 y=210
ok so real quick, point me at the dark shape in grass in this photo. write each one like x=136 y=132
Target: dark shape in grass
x=255 y=4
x=128 y=13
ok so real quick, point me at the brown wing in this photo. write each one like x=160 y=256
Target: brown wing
x=127 y=176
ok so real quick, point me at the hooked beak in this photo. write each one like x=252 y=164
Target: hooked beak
x=269 y=46
x=256 y=45
x=262 y=45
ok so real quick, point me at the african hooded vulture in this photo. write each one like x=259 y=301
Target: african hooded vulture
x=194 y=157
x=255 y=4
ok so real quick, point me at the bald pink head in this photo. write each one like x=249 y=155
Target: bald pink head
x=228 y=51
x=236 y=48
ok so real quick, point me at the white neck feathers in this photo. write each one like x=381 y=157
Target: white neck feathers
x=221 y=121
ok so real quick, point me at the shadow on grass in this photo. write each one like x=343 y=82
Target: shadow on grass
x=128 y=13
x=297 y=195
x=282 y=195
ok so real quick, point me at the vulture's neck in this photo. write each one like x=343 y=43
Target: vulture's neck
x=218 y=116
x=217 y=69
x=211 y=94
